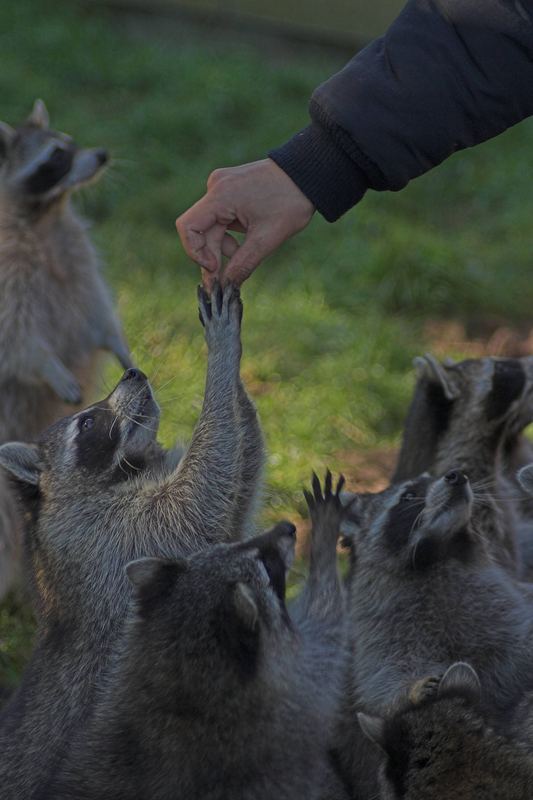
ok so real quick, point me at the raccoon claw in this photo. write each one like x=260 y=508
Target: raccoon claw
x=204 y=305
x=328 y=498
x=221 y=311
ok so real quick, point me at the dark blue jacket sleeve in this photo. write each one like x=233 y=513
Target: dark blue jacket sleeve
x=448 y=74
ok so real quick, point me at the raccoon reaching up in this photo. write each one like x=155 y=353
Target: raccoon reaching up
x=219 y=691
x=440 y=745
x=425 y=591
x=55 y=309
x=101 y=494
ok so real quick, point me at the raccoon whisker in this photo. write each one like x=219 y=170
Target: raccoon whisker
x=112 y=426
x=139 y=391
x=137 y=469
x=140 y=424
x=413 y=554
x=164 y=385
x=121 y=467
x=416 y=521
x=483 y=484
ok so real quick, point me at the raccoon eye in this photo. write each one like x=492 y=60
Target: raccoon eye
x=86 y=423
x=406 y=496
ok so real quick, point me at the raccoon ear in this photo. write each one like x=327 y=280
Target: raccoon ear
x=373 y=728
x=427 y=366
x=525 y=478
x=39 y=115
x=461 y=677
x=21 y=461
x=6 y=136
x=245 y=606
x=153 y=577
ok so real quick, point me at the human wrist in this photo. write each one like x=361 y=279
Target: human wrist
x=321 y=169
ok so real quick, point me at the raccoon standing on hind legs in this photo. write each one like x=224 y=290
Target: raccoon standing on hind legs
x=55 y=309
x=99 y=496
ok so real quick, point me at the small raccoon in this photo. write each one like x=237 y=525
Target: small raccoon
x=101 y=494
x=55 y=309
x=424 y=592
x=440 y=746
x=470 y=416
x=219 y=691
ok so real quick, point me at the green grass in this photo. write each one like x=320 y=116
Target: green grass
x=333 y=320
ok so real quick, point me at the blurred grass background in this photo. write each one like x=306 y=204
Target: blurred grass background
x=333 y=320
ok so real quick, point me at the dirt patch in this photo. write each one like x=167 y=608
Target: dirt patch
x=367 y=470
x=446 y=336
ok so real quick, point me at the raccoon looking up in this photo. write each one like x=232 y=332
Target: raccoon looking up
x=101 y=494
x=470 y=416
x=440 y=746
x=425 y=591
x=55 y=309
x=224 y=691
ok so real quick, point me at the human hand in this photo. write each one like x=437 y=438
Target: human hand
x=257 y=199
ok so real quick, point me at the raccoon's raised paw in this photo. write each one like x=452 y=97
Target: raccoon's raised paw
x=325 y=505
x=424 y=688
x=220 y=312
x=61 y=380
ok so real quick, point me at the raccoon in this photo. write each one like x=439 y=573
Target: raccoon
x=471 y=416
x=55 y=309
x=440 y=745
x=425 y=591
x=100 y=495
x=219 y=690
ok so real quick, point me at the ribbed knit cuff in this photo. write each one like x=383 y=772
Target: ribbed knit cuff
x=322 y=170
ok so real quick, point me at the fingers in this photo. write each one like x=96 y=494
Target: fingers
x=257 y=199
x=258 y=244
x=202 y=230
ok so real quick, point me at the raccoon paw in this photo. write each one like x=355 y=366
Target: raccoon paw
x=70 y=392
x=326 y=506
x=64 y=384
x=221 y=312
x=423 y=689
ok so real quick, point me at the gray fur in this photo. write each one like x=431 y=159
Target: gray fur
x=425 y=590
x=102 y=502
x=460 y=417
x=218 y=693
x=440 y=746
x=55 y=309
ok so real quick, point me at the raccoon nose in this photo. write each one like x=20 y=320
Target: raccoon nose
x=133 y=375
x=285 y=528
x=456 y=478
x=102 y=156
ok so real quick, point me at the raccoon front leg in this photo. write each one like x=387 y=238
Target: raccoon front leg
x=49 y=368
x=251 y=460
x=323 y=593
x=203 y=487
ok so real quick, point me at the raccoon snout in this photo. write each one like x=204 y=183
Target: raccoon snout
x=285 y=528
x=133 y=374
x=102 y=156
x=456 y=478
